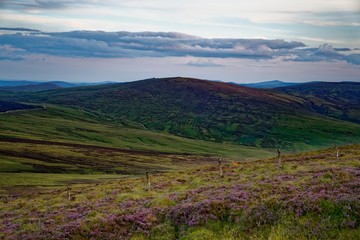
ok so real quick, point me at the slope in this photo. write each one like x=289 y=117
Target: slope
x=339 y=99
x=6 y=106
x=207 y=110
x=68 y=125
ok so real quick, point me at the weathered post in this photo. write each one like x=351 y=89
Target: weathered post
x=279 y=157
x=220 y=168
x=148 y=181
x=68 y=193
x=337 y=152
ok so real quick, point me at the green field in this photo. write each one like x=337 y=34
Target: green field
x=62 y=124
x=62 y=141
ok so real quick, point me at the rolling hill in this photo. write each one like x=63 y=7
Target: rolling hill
x=339 y=99
x=213 y=111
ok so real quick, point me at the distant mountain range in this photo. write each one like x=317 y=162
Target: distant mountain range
x=305 y=114
x=268 y=84
x=36 y=86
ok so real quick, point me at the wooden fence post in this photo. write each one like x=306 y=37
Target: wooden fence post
x=337 y=152
x=279 y=157
x=148 y=181
x=68 y=193
x=220 y=168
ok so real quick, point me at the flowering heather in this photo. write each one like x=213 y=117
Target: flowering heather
x=311 y=196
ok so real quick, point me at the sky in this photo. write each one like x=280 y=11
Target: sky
x=228 y=40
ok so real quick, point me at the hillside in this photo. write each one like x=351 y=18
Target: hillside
x=212 y=111
x=6 y=106
x=31 y=87
x=310 y=196
x=57 y=145
x=340 y=99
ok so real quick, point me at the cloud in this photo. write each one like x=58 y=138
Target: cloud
x=204 y=63
x=102 y=44
x=18 y=29
x=353 y=58
x=325 y=53
x=7 y=52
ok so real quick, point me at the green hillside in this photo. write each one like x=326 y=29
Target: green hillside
x=61 y=124
x=336 y=99
x=76 y=146
x=211 y=111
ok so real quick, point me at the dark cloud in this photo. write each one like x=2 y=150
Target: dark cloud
x=342 y=49
x=18 y=29
x=325 y=53
x=353 y=58
x=161 y=44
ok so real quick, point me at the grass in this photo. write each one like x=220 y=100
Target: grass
x=87 y=146
x=310 y=196
x=77 y=126
x=9 y=180
x=313 y=132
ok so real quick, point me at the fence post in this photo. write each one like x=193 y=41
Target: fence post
x=337 y=152
x=68 y=193
x=148 y=181
x=279 y=157
x=220 y=168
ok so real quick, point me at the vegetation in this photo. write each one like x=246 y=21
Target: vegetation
x=336 y=99
x=6 y=106
x=63 y=141
x=69 y=125
x=77 y=170
x=215 y=111
x=310 y=196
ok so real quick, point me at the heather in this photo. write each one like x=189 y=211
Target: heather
x=309 y=196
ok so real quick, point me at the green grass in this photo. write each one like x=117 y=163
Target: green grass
x=313 y=132
x=76 y=126
x=57 y=124
x=46 y=179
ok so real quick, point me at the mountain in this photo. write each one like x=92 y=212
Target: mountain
x=336 y=99
x=62 y=84
x=31 y=87
x=14 y=83
x=269 y=84
x=209 y=110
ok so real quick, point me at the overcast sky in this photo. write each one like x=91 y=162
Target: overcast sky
x=228 y=40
